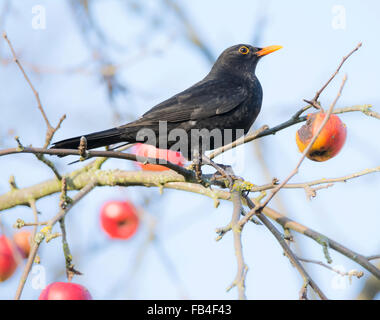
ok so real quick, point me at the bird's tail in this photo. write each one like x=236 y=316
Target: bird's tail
x=94 y=140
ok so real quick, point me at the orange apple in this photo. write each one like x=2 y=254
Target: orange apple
x=149 y=151
x=22 y=241
x=329 y=142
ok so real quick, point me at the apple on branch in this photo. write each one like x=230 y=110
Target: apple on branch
x=329 y=142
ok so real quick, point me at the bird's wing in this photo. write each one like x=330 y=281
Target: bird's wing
x=203 y=100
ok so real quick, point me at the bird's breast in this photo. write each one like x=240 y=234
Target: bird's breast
x=245 y=115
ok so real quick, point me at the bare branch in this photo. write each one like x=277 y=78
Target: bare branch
x=70 y=270
x=15 y=59
x=350 y=273
x=238 y=142
x=374 y=257
x=50 y=129
x=242 y=268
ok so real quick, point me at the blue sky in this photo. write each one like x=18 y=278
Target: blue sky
x=157 y=62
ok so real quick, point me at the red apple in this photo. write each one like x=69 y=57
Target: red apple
x=22 y=241
x=65 y=291
x=8 y=261
x=329 y=142
x=149 y=151
x=119 y=219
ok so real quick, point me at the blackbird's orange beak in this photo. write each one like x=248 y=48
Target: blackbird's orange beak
x=267 y=50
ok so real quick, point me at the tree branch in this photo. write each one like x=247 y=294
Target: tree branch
x=50 y=129
x=242 y=268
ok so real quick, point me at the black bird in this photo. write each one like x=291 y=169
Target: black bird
x=229 y=97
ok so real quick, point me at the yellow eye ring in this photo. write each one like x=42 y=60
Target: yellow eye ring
x=243 y=50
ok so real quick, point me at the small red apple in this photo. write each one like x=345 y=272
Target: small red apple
x=65 y=291
x=22 y=241
x=149 y=151
x=329 y=142
x=8 y=261
x=119 y=219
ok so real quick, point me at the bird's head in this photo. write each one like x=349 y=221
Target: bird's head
x=241 y=58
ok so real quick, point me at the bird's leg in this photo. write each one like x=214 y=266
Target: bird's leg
x=222 y=169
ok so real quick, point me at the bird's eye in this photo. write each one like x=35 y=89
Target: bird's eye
x=243 y=50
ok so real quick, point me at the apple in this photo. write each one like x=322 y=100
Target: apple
x=22 y=241
x=149 y=151
x=119 y=219
x=329 y=142
x=65 y=291
x=8 y=261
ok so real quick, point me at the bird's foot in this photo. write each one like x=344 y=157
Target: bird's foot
x=231 y=178
x=223 y=171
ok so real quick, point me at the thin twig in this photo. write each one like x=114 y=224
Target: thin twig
x=36 y=223
x=50 y=129
x=242 y=268
x=315 y=99
x=21 y=224
x=303 y=291
x=350 y=273
x=374 y=257
x=50 y=164
x=238 y=142
x=16 y=60
x=63 y=203
x=70 y=270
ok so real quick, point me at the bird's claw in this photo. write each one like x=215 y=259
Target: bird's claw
x=197 y=168
x=231 y=178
